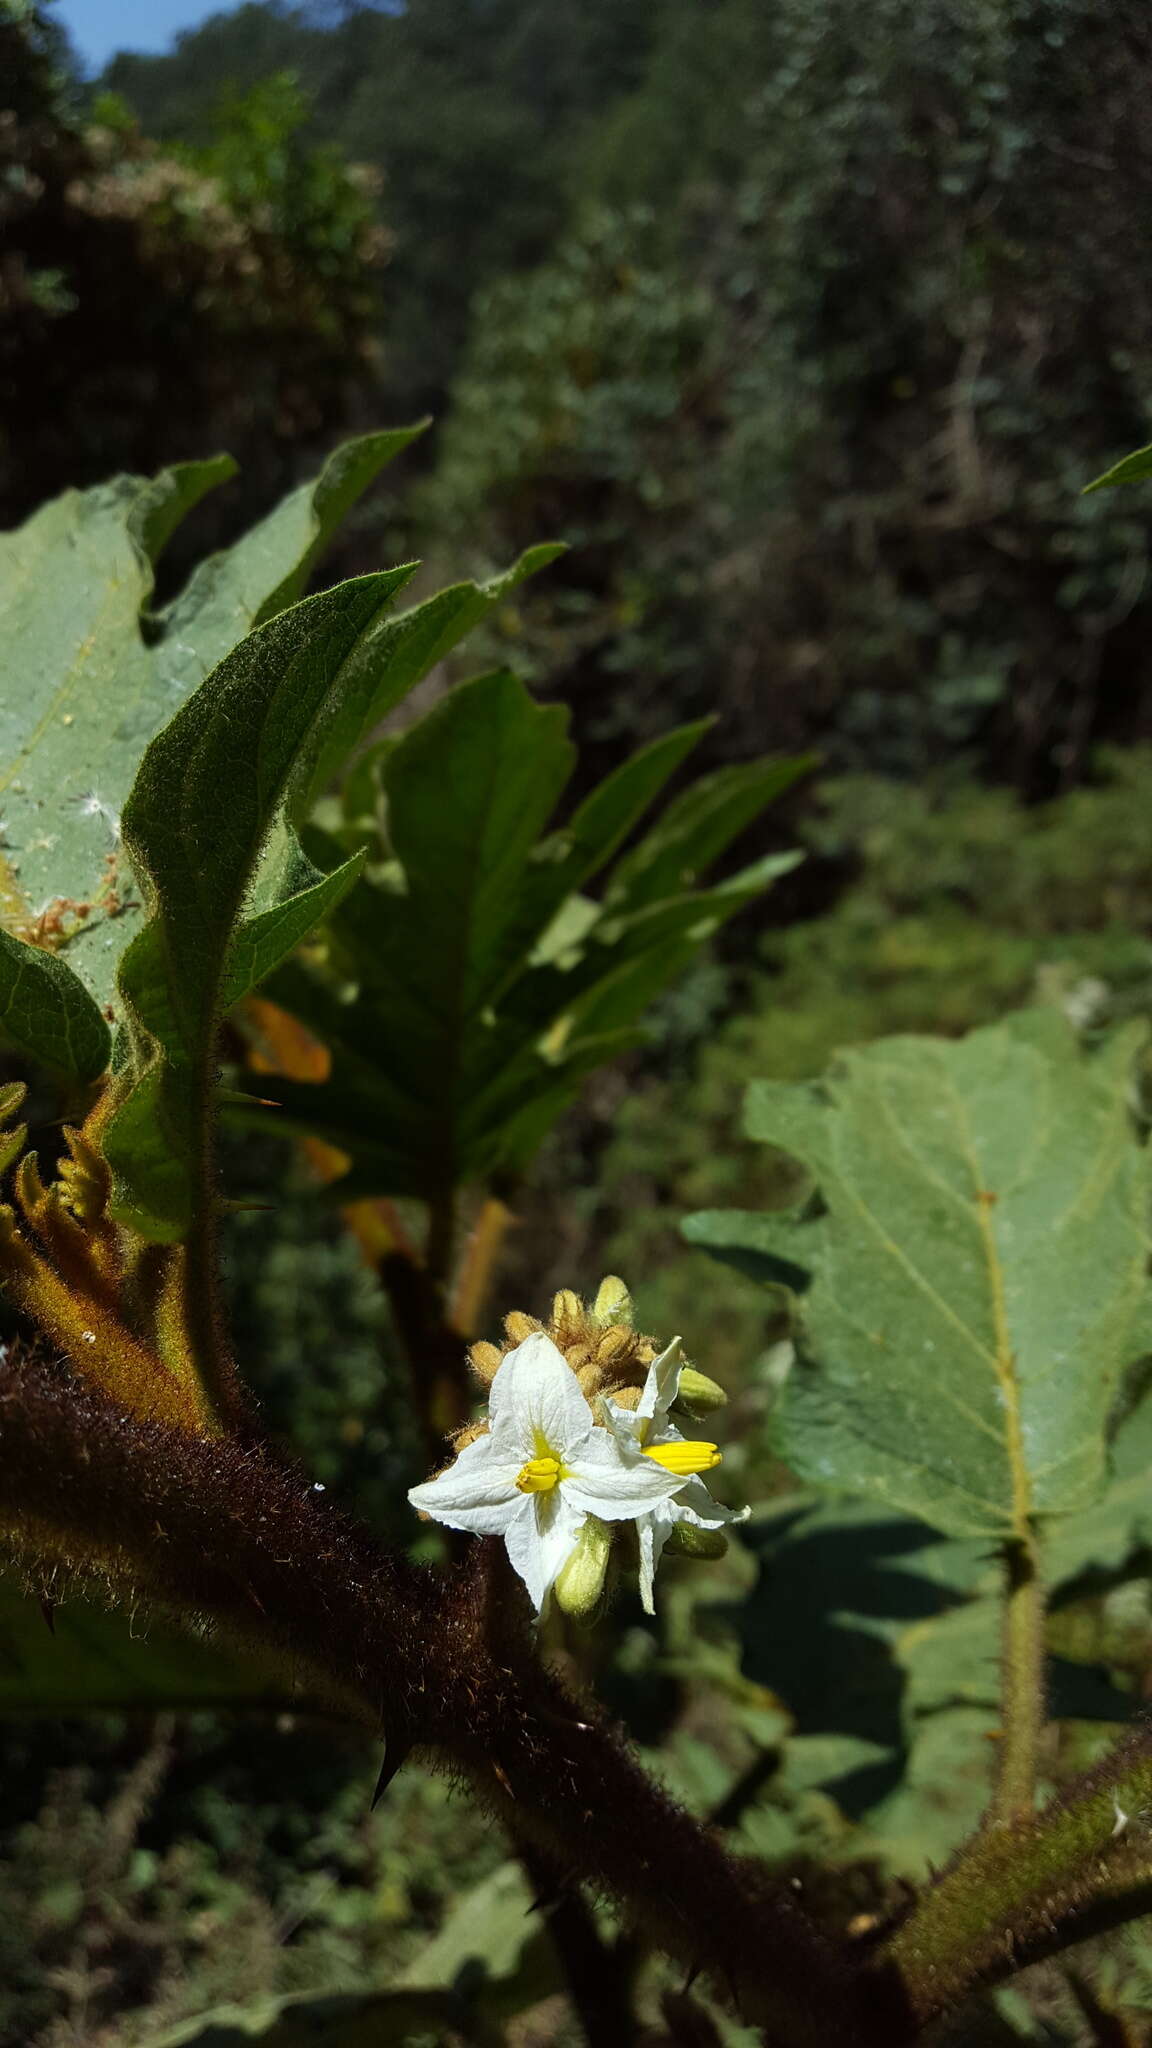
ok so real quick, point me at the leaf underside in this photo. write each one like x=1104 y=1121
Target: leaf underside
x=978 y=1274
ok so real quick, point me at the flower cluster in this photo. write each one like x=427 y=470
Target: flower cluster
x=557 y=1465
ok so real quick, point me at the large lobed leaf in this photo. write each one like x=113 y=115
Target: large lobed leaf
x=93 y=676
x=487 y=980
x=978 y=1267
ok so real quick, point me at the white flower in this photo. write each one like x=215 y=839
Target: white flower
x=647 y=1429
x=542 y=1468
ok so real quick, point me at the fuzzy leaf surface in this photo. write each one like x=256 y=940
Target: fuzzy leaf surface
x=979 y=1275
x=411 y=644
x=47 y=1013
x=94 y=675
x=210 y=789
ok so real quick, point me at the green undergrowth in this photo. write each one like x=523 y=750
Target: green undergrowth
x=961 y=905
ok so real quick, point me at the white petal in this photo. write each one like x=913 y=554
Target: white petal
x=695 y=1504
x=620 y=1422
x=536 y=1395
x=604 y=1481
x=541 y=1541
x=660 y=1387
x=653 y=1532
x=477 y=1492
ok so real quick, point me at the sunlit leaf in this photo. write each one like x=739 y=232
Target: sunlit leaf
x=1133 y=469
x=979 y=1270
x=93 y=675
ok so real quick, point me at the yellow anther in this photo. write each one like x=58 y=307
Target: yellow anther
x=539 y=1475
x=684 y=1457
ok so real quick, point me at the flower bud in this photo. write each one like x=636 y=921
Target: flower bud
x=613 y=1303
x=485 y=1360
x=519 y=1326
x=689 y=1541
x=614 y=1345
x=698 y=1394
x=567 y=1307
x=579 y=1586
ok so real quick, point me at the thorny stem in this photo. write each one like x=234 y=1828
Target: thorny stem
x=1023 y=1703
x=210 y=1527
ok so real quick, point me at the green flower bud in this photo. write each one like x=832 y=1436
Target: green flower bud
x=698 y=1394
x=689 y=1541
x=579 y=1587
x=613 y=1303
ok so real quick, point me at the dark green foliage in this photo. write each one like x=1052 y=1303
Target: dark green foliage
x=472 y=192
x=489 y=982
x=874 y=238
x=158 y=303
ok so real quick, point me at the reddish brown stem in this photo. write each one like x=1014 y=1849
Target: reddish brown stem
x=213 y=1528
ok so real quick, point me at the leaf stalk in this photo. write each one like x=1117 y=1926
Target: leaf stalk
x=1023 y=1701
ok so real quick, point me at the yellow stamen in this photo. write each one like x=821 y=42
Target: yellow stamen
x=684 y=1457
x=539 y=1475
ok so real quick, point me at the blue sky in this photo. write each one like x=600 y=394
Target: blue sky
x=99 y=27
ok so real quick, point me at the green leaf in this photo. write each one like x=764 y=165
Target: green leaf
x=412 y=644
x=1131 y=470
x=91 y=1660
x=47 y=1013
x=490 y=1960
x=763 y=1247
x=94 y=676
x=469 y=791
x=697 y=828
x=267 y=937
x=487 y=983
x=336 y=2019
x=1118 y=1527
x=979 y=1274
x=210 y=788
x=566 y=986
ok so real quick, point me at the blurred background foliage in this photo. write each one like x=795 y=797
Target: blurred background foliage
x=804 y=325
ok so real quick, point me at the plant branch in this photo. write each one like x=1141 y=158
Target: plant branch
x=1017 y=1893
x=1023 y=1702
x=210 y=1527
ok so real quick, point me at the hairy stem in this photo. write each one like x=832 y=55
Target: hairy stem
x=1017 y=1893
x=1023 y=1705
x=209 y=1527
